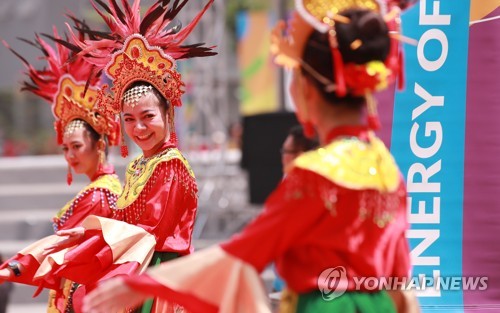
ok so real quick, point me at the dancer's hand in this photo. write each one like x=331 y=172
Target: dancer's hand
x=112 y=295
x=74 y=236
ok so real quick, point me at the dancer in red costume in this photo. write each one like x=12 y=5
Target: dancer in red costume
x=82 y=132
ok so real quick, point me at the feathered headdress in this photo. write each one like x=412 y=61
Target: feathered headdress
x=355 y=79
x=140 y=49
x=65 y=85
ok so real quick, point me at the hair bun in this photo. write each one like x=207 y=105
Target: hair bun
x=370 y=25
x=370 y=31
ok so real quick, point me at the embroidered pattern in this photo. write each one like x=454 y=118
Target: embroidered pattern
x=145 y=173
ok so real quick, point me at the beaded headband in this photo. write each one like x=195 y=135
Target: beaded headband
x=132 y=96
x=73 y=126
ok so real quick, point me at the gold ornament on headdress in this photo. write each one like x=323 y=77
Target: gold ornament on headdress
x=138 y=61
x=72 y=103
x=322 y=16
x=321 y=13
x=309 y=15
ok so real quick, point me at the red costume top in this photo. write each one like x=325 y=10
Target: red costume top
x=160 y=196
x=98 y=198
x=332 y=210
x=341 y=205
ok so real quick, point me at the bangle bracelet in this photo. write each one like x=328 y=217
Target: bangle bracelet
x=14 y=267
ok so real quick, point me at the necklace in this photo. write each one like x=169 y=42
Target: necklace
x=141 y=163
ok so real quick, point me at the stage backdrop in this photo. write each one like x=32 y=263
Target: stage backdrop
x=258 y=74
x=445 y=135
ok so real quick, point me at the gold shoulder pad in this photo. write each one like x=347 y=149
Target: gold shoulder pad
x=354 y=164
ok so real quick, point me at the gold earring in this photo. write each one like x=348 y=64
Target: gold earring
x=171 y=120
x=69 y=176
x=102 y=159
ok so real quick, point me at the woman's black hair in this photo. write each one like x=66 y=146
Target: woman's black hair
x=366 y=26
x=94 y=136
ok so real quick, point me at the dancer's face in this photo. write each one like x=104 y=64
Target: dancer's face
x=146 y=124
x=81 y=152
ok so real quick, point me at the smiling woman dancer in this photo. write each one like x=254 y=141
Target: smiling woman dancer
x=82 y=132
x=160 y=193
x=339 y=214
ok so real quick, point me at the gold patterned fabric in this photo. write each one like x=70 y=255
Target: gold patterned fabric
x=353 y=163
x=67 y=293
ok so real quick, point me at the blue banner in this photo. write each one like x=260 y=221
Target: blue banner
x=428 y=140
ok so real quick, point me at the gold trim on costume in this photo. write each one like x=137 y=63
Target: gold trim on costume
x=140 y=170
x=352 y=163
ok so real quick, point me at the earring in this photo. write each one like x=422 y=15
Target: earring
x=69 y=176
x=171 y=122
x=124 y=148
x=102 y=160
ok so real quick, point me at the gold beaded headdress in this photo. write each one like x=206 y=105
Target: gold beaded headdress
x=65 y=85
x=144 y=50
